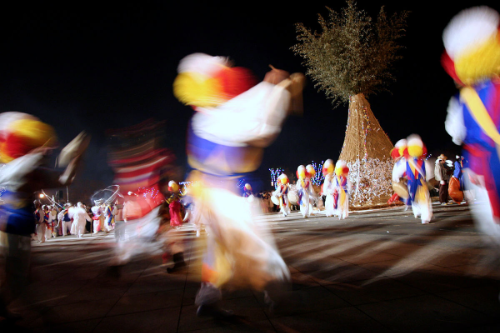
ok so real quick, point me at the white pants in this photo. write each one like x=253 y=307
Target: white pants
x=41 y=231
x=304 y=206
x=329 y=210
x=48 y=233
x=97 y=226
x=78 y=228
x=66 y=226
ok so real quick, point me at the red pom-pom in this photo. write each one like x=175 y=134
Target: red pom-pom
x=449 y=67
x=395 y=153
x=235 y=80
x=16 y=146
x=406 y=154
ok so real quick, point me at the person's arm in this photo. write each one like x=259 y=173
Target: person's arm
x=43 y=177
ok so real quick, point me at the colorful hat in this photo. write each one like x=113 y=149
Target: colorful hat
x=328 y=167
x=20 y=133
x=416 y=146
x=283 y=179
x=472 y=45
x=399 y=149
x=207 y=81
x=301 y=172
x=341 y=168
x=310 y=171
x=173 y=186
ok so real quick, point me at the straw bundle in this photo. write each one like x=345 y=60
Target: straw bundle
x=366 y=150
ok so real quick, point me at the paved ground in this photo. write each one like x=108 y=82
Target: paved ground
x=378 y=271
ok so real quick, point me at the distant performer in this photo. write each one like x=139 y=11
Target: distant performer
x=282 y=194
x=416 y=174
x=328 y=188
x=342 y=187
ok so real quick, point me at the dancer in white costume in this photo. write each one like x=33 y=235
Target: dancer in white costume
x=415 y=173
x=233 y=128
x=98 y=212
x=342 y=188
x=80 y=217
x=328 y=188
x=305 y=191
x=313 y=198
x=399 y=182
x=282 y=194
x=65 y=219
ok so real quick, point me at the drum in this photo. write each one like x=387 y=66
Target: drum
x=293 y=197
x=275 y=200
x=401 y=189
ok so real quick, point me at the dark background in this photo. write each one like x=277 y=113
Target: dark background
x=96 y=66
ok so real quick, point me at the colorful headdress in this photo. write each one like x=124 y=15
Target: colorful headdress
x=341 y=168
x=328 y=167
x=207 y=81
x=416 y=147
x=310 y=171
x=173 y=186
x=283 y=179
x=301 y=172
x=20 y=133
x=398 y=149
x=472 y=45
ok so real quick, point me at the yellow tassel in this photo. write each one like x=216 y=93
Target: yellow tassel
x=481 y=63
x=198 y=90
x=415 y=151
x=36 y=133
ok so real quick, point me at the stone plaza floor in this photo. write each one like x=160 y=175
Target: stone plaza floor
x=377 y=271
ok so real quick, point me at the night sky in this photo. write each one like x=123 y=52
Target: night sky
x=93 y=66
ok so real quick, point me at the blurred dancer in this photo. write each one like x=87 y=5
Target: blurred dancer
x=226 y=136
x=48 y=223
x=109 y=218
x=97 y=212
x=310 y=173
x=65 y=220
x=342 y=188
x=328 y=188
x=304 y=188
x=282 y=194
x=80 y=217
x=415 y=172
x=53 y=220
x=399 y=179
x=174 y=204
x=140 y=165
x=472 y=59
x=247 y=191
x=25 y=143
